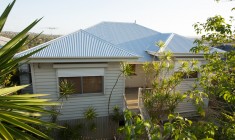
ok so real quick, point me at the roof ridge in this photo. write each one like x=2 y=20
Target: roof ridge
x=145 y=27
x=167 y=42
x=144 y=37
x=110 y=43
x=134 y=23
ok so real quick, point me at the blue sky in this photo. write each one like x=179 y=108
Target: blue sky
x=67 y=16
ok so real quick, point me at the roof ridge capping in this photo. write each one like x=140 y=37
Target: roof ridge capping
x=118 y=22
x=167 y=42
x=133 y=54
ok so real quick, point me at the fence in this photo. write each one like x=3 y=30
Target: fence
x=106 y=129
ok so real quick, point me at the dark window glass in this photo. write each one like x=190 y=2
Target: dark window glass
x=88 y=84
x=133 y=69
x=76 y=81
x=92 y=84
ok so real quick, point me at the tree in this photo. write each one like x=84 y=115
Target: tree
x=162 y=99
x=19 y=113
x=217 y=81
x=218 y=75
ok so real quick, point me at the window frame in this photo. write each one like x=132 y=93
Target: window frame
x=133 y=68
x=82 y=86
x=82 y=72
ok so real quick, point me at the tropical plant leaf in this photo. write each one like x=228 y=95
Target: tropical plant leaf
x=26 y=108
x=19 y=116
x=19 y=134
x=5 y=14
x=5 y=133
x=19 y=112
x=8 y=54
x=18 y=37
x=6 y=91
x=23 y=126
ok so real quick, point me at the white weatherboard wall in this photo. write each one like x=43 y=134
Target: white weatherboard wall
x=186 y=105
x=137 y=80
x=45 y=81
x=186 y=84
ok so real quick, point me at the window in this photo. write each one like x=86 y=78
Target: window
x=85 y=84
x=133 y=69
x=192 y=74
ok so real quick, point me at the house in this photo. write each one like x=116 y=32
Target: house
x=91 y=58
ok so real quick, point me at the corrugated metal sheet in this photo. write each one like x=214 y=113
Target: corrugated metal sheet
x=139 y=39
x=113 y=39
x=79 y=44
x=140 y=46
x=118 y=32
x=179 y=44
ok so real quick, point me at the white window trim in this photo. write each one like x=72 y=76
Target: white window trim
x=97 y=65
x=80 y=72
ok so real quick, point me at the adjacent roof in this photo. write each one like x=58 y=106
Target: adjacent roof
x=79 y=44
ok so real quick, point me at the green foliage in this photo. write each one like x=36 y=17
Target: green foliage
x=216 y=82
x=134 y=127
x=177 y=128
x=66 y=88
x=117 y=115
x=126 y=69
x=163 y=97
x=214 y=32
x=218 y=75
x=204 y=129
x=11 y=79
x=71 y=132
x=90 y=114
x=19 y=112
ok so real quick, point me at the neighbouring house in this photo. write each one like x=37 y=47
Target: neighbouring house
x=91 y=59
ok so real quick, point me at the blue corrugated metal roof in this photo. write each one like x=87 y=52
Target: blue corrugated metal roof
x=126 y=40
x=179 y=44
x=138 y=39
x=79 y=44
x=118 y=32
x=140 y=46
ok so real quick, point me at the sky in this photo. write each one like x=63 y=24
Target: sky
x=66 y=16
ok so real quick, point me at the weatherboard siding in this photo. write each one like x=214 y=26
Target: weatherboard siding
x=137 y=80
x=45 y=81
x=186 y=105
